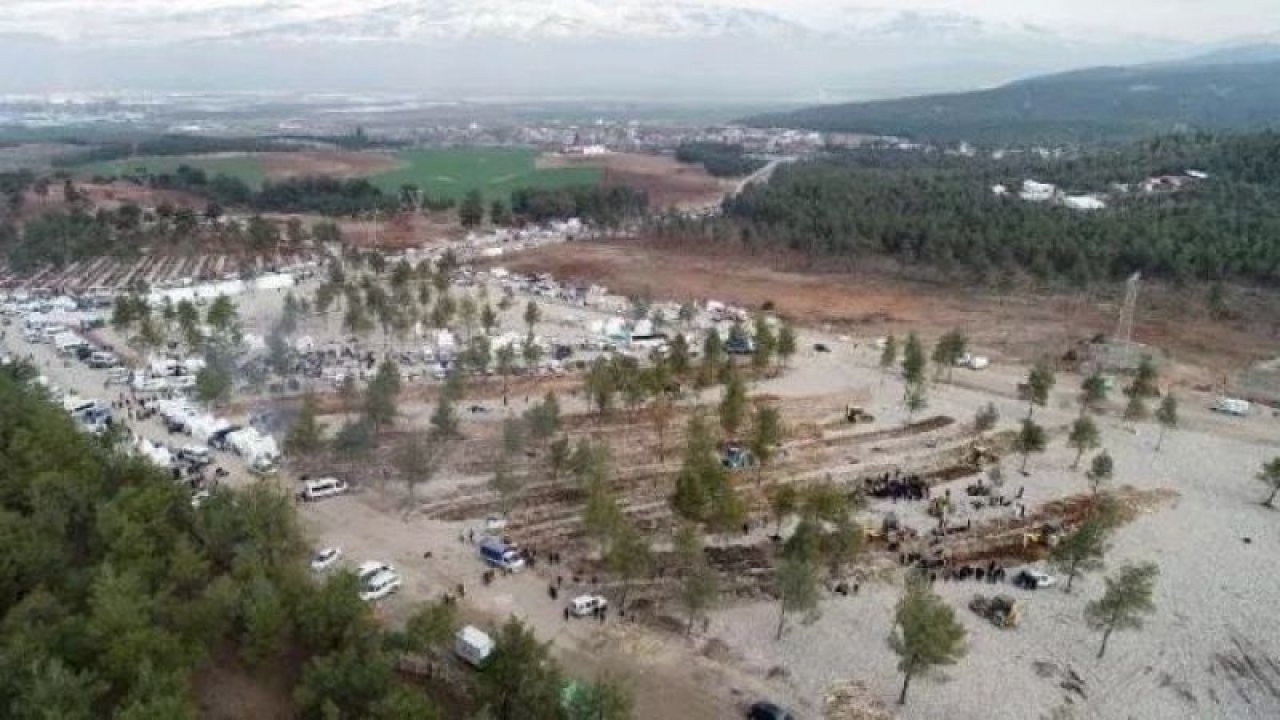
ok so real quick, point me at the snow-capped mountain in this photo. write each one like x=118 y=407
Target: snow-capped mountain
x=583 y=48
x=417 y=20
x=158 y=21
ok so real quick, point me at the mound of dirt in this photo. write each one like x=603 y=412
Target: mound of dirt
x=852 y=701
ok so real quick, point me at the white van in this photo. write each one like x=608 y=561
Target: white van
x=585 y=605
x=322 y=488
x=103 y=359
x=473 y=645
x=1232 y=406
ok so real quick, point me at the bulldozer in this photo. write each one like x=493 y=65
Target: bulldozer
x=1045 y=536
x=855 y=414
x=1001 y=610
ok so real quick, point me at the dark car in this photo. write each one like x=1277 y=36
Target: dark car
x=769 y=711
x=822 y=348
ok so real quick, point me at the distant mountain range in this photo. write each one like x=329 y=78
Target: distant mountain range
x=1237 y=88
x=533 y=48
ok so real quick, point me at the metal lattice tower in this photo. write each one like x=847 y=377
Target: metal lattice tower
x=1124 y=331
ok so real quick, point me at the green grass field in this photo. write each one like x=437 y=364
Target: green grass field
x=494 y=171
x=448 y=173
x=246 y=167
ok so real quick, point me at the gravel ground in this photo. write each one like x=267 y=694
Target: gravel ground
x=1211 y=650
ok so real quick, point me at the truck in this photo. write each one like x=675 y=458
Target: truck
x=473 y=645
x=500 y=554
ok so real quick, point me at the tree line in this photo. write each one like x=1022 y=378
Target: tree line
x=719 y=159
x=606 y=206
x=939 y=211
x=63 y=236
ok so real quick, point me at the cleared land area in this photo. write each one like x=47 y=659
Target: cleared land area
x=1211 y=649
x=669 y=183
x=1017 y=324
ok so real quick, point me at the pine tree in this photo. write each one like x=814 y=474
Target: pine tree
x=1270 y=475
x=926 y=633
x=1093 y=393
x=786 y=343
x=913 y=361
x=1100 y=471
x=306 y=436
x=1084 y=437
x=1040 y=383
x=1080 y=551
x=733 y=405
x=1030 y=439
x=1128 y=598
x=1167 y=416
x=889 y=354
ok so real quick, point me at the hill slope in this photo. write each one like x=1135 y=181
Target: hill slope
x=1097 y=104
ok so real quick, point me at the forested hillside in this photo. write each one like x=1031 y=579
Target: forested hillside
x=115 y=594
x=1085 y=106
x=940 y=211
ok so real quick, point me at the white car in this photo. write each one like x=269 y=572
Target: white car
x=325 y=559
x=372 y=567
x=380 y=585
x=1033 y=579
x=585 y=605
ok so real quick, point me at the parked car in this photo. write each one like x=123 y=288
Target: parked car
x=325 y=559
x=501 y=555
x=765 y=710
x=380 y=585
x=1032 y=579
x=585 y=605
x=195 y=456
x=369 y=568
x=322 y=488
x=821 y=348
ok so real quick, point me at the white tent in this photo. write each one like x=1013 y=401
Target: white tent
x=203 y=426
x=274 y=281
x=157 y=454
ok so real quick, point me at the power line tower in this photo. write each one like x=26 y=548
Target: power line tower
x=1124 y=330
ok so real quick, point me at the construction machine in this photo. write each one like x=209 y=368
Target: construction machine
x=855 y=414
x=1001 y=610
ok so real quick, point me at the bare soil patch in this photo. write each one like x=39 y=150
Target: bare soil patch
x=115 y=194
x=332 y=163
x=670 y=184
x=1022 y=325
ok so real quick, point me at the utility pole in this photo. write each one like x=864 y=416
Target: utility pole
x=1124 y=330
x=373 y=215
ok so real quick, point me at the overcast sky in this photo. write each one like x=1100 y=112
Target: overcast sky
x=1197 y=20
